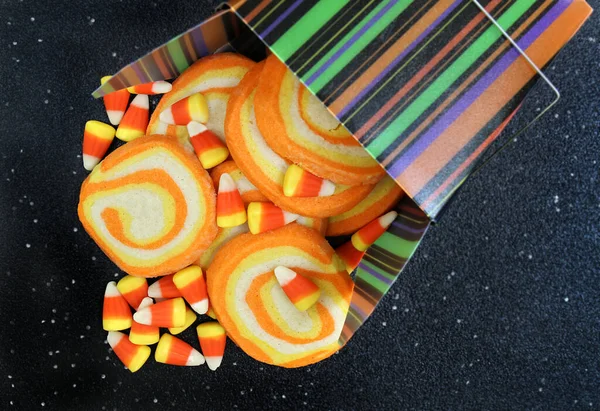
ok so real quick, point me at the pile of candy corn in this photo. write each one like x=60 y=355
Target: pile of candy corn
x=161 y=305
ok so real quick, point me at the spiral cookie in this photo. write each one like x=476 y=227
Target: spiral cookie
x=255 y=312
x=299 y=128
x=266 y=169
x=214 y=76
x=150 y=207
x=248 y=191
x=379 y=201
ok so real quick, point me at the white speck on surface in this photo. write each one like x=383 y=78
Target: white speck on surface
x=540 y=389
x=397 y=296
x=458 y=320
x=566 y=299
x=28 y=245
x=530 y=256
x=555 y=199
x=114 y=54
x=93 y=258
x=73 y=365
x=384 y=323
x=468 y=382
x=35 y=220
x=53 y=321
x=282 y=395
x=394 y=307
x=406 y=310
x=75 y=229
x=155 y=400
x=55 y=366
x=31 y=203
x=9 y=376
x=74 y=385
x=14 y=43
x=92 y=21
x=103 y=376
x=43 y=404
x=40 y=40
x=32 y=18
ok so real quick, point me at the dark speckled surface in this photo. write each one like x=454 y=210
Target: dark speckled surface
x=499 y=308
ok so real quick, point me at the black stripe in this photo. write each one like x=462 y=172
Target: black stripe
x=287 y=23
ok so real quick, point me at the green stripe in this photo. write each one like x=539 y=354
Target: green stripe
x=306 y=27
x=372 y=281
x=445 y=80
x=352 y=51
x=177 y=55
x=398 y=246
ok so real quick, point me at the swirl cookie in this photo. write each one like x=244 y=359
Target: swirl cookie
x=379 y=201
x=266 y=169
x=254 y=310
x=298 y=127
x=150 y=207
x=214 y=76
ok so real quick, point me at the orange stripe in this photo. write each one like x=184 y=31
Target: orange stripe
x=425 y=70
x=213 y=346
x=205 y=141
x=179 y=352
x=452 y=98
x=250 y=16
x=111 y=216
x=455 y=137
x=386 y=58
x=469 y=160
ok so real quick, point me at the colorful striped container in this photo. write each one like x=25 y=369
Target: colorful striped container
x=425 y=85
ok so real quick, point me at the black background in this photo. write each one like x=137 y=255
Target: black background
x=498 y=309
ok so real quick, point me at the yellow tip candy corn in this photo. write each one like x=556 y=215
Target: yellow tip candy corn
x=171 y=350
x=301 y=291
x=367 y=235
x=156 y=87
x=97 y=137
x=135 y=120
x=133 y=289
x=267 y=216
x=230 y=207
x=115 y=103
x=192 y=108
x=209 y=148
x=192 y=285
x=168 y=313
x=131 y=355
x=212 y=338
x=298 y=182
x=116 y=314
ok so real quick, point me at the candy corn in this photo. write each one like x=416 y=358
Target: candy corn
x=171 y=350
x=191 y=284
x=164 y=288
x=134 y=289
x=212 y=340
x=349 y=255
x=192 y=108
x=97 y=137
x=230 y=207
x=208 y=147
x=135 y=120
x=190 y=317
x=367 y=235
x=115 y=103
x=156 y=87
x=142 y=334
x=169 y=313
x=298 y=182
x=301 y=291
x=131 y=355
x=211 y=312
x=116 y=314
x=267 y=216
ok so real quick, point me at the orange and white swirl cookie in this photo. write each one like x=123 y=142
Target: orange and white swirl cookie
x=214 y=76
x=379 y=201
x=299 y=128
x=253 y=308
x=265 y=168
x=150 y=207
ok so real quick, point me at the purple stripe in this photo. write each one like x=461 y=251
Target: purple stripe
x=350 y=42
x=200 y=47
x=375 y=274
x=484 y=83
x=407 y=228
x=281 y=18
x=400 y=57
